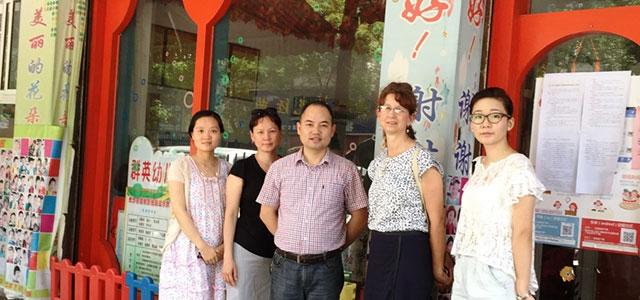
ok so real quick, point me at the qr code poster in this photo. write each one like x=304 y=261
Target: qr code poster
x=557 y=230
x=611 y=236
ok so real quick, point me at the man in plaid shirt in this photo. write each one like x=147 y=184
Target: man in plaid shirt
x=305 y=198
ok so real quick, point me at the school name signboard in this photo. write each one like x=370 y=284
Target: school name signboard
x=147 y=210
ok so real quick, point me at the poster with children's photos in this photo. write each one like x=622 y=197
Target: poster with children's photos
x=30 y=169
x=6 y=154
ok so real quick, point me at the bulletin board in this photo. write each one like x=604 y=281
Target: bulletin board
x=585 y=145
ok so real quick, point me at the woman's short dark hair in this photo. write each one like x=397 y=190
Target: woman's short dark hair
x=403 y=94
x=269 y=113
x=318 y=103
x=495 y=93
x=203 y=114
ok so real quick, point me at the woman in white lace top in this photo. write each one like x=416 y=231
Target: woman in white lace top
x=494 y=240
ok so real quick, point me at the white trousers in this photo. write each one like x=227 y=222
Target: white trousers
x=254 y=277
x=479 y=281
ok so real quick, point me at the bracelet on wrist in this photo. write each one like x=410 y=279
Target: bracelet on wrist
x=523 y=297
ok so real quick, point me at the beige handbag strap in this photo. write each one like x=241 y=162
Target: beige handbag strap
x=416 y=176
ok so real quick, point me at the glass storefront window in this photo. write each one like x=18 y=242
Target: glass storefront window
x=266 y=54
x=591 y=53
x=13 y=52
x=10 y=36
x=4 y=25
x=7 y=112
x=283 y=54
x=599 y=275
x=542 y=6
x=155 y=81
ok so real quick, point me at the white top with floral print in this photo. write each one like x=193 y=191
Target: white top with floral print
x=394 y=199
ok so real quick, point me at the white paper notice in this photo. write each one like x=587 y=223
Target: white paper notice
x=605 y=101
x=559 y=124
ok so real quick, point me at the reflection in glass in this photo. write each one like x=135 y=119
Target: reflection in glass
x=13 y=58
x=172 y=57
x=171 y=68
x=7 y=112
x=155 y=81
x=284 y=54
x=598 y=52
x=5 y=39
x=541 y=6
x=243 y=71
x=156 y=73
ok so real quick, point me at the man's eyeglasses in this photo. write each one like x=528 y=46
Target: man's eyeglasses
x=259 y=112
x=388 y=109
x=493 y=118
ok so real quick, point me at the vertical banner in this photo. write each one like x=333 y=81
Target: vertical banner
x=70 y=36
x=147 y=211
x=34 y=91
x=436 y=46
x=31 y=209
x=51 y=39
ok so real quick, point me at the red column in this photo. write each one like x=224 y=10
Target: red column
x=109 y=18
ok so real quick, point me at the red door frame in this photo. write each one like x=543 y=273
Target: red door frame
x=109 y=20
x=519 y=40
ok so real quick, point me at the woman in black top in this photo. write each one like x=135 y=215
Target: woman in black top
x=248 y=245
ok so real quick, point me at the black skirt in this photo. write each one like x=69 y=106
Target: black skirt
x=399 y=267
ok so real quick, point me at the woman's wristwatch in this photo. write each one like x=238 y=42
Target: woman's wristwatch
x=525 y=297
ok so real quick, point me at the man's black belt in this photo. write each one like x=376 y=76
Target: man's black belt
x=308 y=258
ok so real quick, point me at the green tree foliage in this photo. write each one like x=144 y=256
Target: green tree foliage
x=315 y=73
x=614 y=53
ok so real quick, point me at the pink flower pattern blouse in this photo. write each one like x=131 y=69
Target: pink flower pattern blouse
x=183 y=275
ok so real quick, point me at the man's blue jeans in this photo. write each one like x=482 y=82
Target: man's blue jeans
x=293 y=281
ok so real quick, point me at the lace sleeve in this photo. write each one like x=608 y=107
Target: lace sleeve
x=522 y=181
x=177 y=170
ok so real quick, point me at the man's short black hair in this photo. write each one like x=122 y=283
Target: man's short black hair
x=319 y=103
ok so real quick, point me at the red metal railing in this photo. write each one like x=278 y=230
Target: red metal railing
x=79 y=282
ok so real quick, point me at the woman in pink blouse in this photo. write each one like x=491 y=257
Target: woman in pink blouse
x=191 y=259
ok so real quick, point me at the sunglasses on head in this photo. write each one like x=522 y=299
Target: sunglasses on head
x=259 y=112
